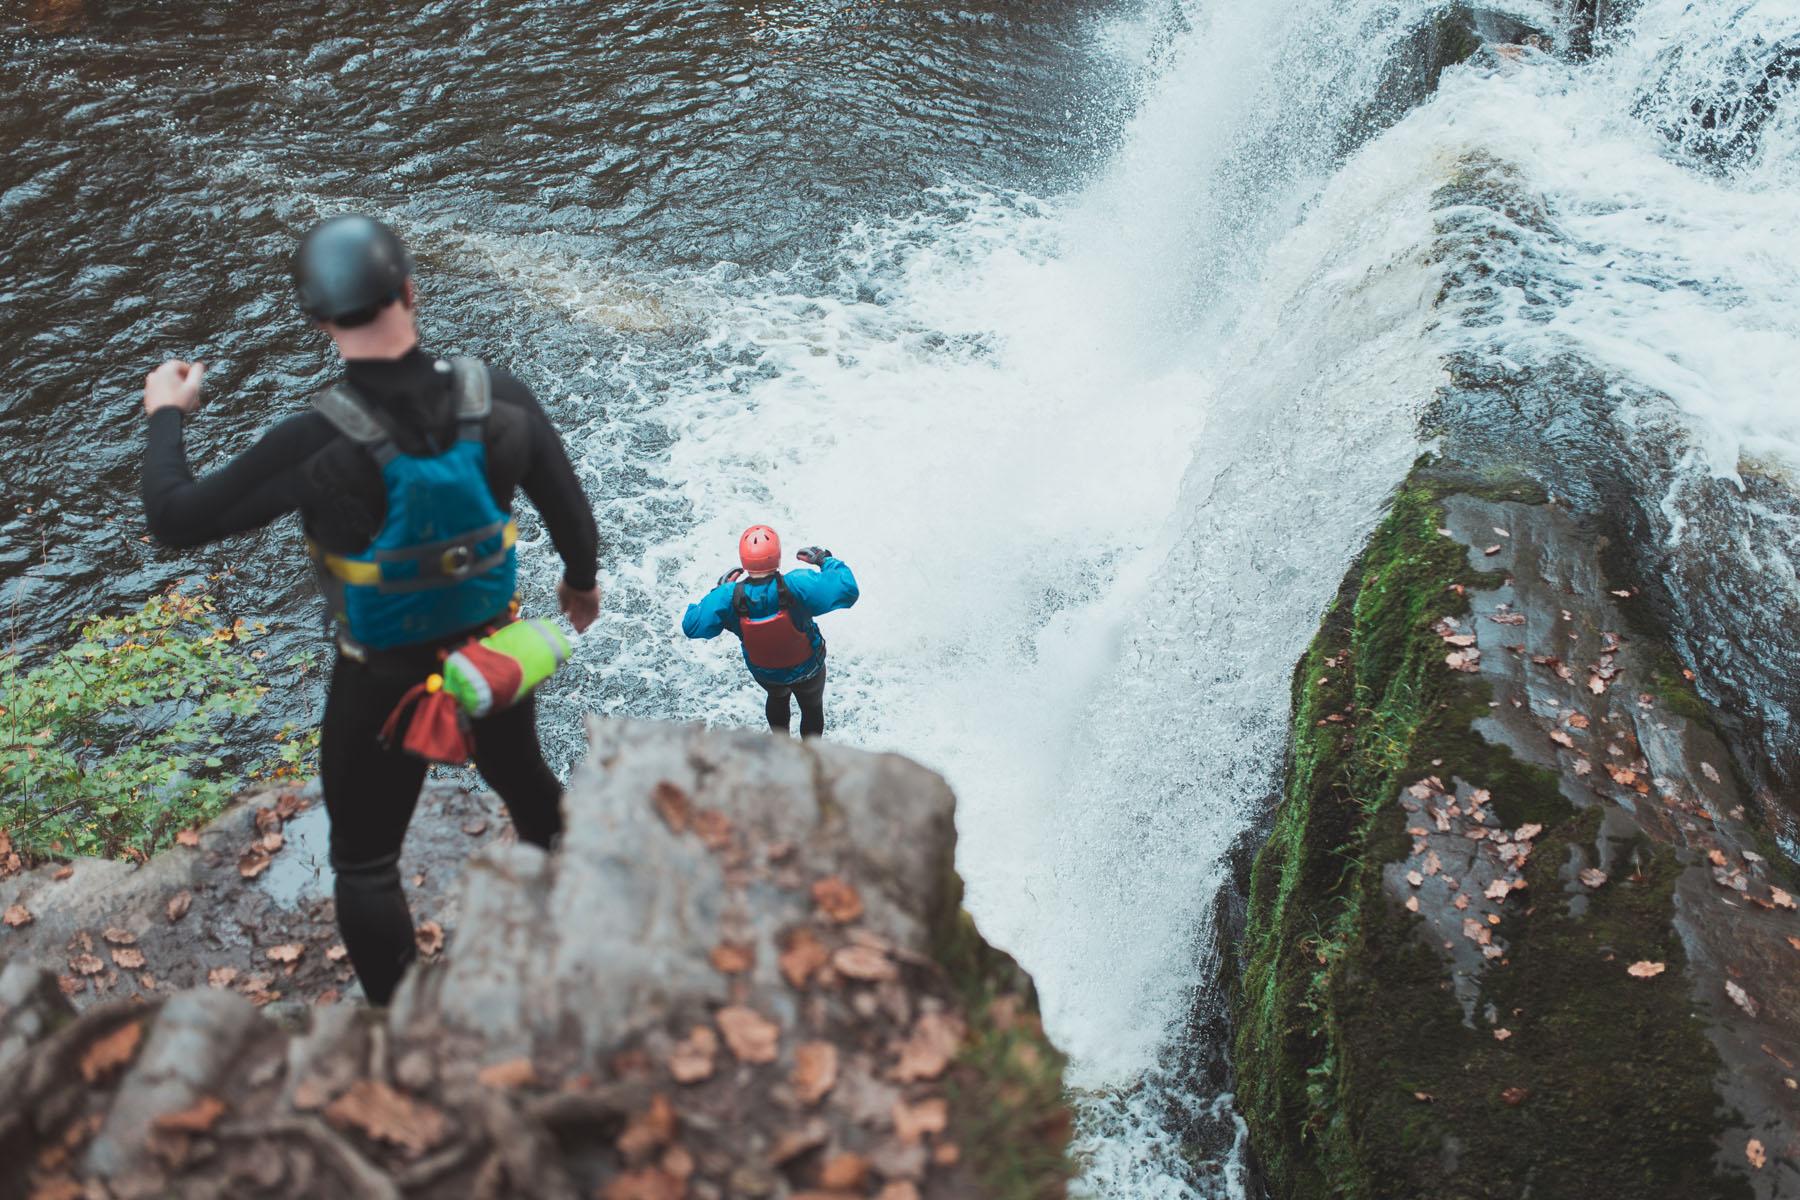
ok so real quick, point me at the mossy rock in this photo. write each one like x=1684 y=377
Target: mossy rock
x=1360 y=1074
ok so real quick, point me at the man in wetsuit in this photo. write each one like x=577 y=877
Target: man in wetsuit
x=772 y=615
x=397 y=409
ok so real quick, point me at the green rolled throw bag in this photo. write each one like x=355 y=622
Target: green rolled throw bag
x=501 y=669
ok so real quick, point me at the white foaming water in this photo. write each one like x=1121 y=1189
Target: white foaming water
x=1093 y=534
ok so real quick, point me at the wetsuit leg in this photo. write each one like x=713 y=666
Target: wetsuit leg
x=779 y=711
x=370 y=794
x=811 y=695
x=511 y=759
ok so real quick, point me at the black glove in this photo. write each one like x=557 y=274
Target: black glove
x=732 y=576
x=813 y=555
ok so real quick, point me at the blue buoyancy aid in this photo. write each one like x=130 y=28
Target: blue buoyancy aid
x=443 y=561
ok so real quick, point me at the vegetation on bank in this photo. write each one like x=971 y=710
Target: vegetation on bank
x=1006 y=1086
x=1358 y=1075
x=113 y=744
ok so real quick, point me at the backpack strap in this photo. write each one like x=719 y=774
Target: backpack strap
x=474 y=397
x=351 y=416
x=785 y=601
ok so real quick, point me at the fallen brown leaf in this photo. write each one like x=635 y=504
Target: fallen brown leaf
x=1592 y=876
x=712 y=827
x=253 y=862
x=692 y=1059
x=927 y=1051
x=844 y=1172
x=1753 y=1151
x=63 y=872
x=1412 y=904
x=385 y=1115
x=112 y=1051
x=179 y=904
x=794 y=1142
x=119 y=937
x=838 y=900
x=802 y=953
x=751 y=1037
x=1711 y=772
x=648 y=1131
x=815 y=1071
x=337 y=953
x=199 y=1117
x=1414 y=878
x=17 y=915
x=672 y=805
x=188 y=837
x=645 y=1183
x=475 y=827
x=1646 y=970
x=864 y=964
x=287 y=953
x=1561 y=738
x=513 y=1073
x=1780 y=898
x=128 y=958
x=1515 y=1096
x=1500 y=1035
x=914 y=1121
x=732 y=958
x=430 y=937
x=221 y=977
x=86 y=964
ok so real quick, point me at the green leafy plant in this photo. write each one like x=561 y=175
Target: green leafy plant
x=112 y=745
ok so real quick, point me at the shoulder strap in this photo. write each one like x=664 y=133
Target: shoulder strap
x=474 y=396
x=740 y=602
x=784 y=599
x=347 y=413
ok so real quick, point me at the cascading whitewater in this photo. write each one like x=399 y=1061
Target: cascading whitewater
x=1101 y=460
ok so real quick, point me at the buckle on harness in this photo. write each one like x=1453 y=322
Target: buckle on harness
x=456 y=561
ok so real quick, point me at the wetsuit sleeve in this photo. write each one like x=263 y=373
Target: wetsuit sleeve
x=709 y=616
x=550 y=483
x=258 y=486
x=827 y=589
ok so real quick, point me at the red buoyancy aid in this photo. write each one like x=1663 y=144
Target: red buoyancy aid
x=775 y=642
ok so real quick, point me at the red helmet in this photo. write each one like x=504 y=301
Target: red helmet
x=760 y=550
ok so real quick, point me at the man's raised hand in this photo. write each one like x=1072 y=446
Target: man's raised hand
x=175 y=384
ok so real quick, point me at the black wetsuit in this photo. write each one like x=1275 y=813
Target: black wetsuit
x=304 y=465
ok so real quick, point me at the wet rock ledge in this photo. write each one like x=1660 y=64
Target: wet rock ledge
x=1519 y=929
x=746 y=972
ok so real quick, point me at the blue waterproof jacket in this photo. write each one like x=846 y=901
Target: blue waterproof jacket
x=830 y=587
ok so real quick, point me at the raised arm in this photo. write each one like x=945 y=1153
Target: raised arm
x=831 y=587
x=253 y=489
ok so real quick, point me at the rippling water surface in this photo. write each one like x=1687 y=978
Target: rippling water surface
x=1093 y=336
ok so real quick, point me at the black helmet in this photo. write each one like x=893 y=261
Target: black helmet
x=349 y=268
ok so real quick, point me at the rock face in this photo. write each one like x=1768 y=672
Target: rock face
x=1520 y=929
x=745 y=972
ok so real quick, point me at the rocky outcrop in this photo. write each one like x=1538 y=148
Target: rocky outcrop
x=745 y=972
x=1518 y=929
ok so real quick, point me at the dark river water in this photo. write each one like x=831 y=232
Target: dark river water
x=161 y=161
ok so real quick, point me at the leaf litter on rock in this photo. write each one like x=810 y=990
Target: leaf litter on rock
x=815 y=1071
x=383 y=1114
x=752 y=1037
x=108 y=1053
x=837 y=899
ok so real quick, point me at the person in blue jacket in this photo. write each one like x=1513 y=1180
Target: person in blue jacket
x=772 y=614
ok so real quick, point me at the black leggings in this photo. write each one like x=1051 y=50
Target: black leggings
x=810 y=692
x=370 y=793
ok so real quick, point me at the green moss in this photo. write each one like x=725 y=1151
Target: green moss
x=1344 y=1012
x=1007 y=1104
